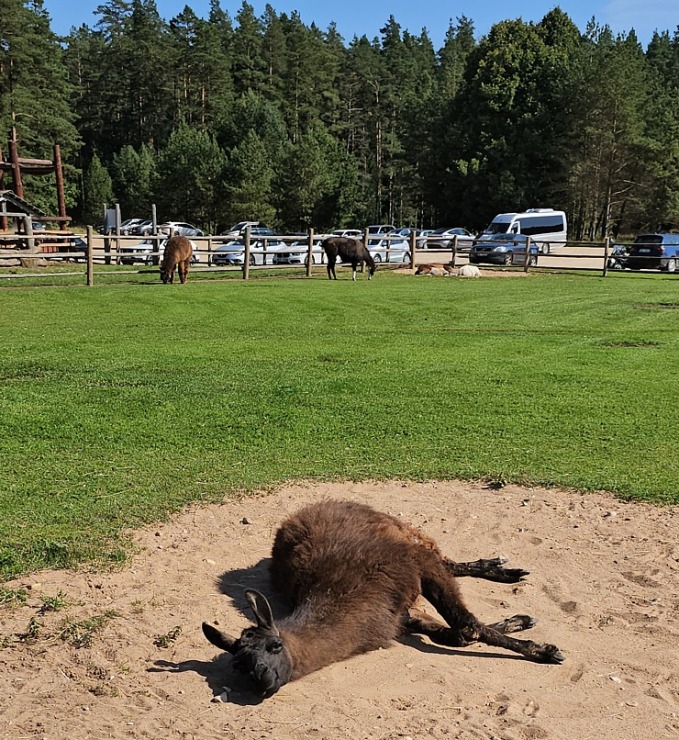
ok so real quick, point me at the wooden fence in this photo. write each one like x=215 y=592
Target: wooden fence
x=297 y=251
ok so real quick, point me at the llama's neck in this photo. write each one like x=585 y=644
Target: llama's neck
x=318 y=637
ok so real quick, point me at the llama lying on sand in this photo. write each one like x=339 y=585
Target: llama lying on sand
x=348 y=250
x=351 y=576
x=436 y=269
x=177 y=254
x=469 y=271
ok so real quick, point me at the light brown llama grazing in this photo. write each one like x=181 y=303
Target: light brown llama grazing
x=177 y=254
x=348 y=250
x=351 y=576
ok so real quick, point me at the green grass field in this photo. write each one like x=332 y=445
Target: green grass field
x=120 y=403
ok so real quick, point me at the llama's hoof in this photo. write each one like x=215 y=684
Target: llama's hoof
x=549 y=654
x=517 y=623
x=509 y=575
x=493 y=570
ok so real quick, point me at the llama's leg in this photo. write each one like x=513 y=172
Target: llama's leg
x=332 y=259
x=183 y=271
x=421 y=623
x=354 y=267
x=440 y=588
x=492 y=570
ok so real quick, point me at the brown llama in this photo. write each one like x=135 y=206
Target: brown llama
x=348 y=250
x=351 y=576
x=434 y=268
x=177 y=254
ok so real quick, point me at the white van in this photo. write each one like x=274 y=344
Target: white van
x=546 y=227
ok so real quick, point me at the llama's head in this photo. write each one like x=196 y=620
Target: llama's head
x=165 y=274
x=259 y=651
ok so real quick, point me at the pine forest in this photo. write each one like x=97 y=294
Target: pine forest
x=231 y=117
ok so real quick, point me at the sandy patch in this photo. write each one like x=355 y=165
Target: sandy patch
x=604 y=585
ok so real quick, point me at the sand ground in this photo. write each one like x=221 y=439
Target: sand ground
x=125 y=657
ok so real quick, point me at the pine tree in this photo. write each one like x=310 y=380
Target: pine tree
x=190 y=172
x=250 y=179
x=35 y=97
x=97 y=191
x=134 y=176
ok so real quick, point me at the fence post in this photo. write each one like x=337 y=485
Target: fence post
x=30 y=240
x=90 y=257
x=526 y=255
x=310 y=253
x=118 y=222
x=454 y=255
x=607 y=244
x=246 y=255
x=413 y=247
x=365 y=244
x=209 y=250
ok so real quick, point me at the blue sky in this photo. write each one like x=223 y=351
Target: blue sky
x=358 y=17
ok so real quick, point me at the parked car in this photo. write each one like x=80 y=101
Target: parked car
x=143 y=229
x=261 y=252
x=129 y=225
x=407 y=231
x=297 y=252
x=654 y=252
x=143 y=253
x=256 y=227
x=353 y=233
x=377 y=229
x=179 y=228
x=443 y=239
x=388 y=249
x=504 y=249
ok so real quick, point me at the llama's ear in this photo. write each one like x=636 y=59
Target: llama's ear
x=219 y=639
x=261 y=609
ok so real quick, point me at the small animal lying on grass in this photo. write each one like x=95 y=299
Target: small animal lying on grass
x=177 y=254
x=351 y=576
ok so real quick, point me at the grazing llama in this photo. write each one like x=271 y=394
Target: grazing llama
x=348 y=250
x=177 y=254
x=351 y=576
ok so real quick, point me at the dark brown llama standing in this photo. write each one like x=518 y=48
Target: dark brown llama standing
x=348 y=250
x=351 y=576
x=177 y=254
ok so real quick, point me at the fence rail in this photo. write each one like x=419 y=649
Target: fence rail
x=295 y=251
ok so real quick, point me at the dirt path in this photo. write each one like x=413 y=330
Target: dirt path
x=604 y=585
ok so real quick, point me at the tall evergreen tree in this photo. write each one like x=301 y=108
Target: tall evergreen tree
x=97 y=191
x=317 y=182
x=190 y=171
x=250 y=181
x=35 y=96
x=611 y=147
x=134 y=176
x=249 y=65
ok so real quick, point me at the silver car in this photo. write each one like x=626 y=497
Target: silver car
x=262 y=252
x=143 y=252
x=385 y=249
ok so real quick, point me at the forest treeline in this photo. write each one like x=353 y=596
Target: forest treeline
x=225 y=118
